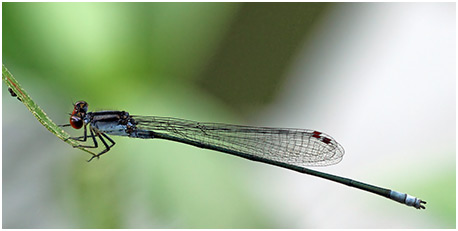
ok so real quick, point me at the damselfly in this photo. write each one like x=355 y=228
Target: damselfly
x=293 y=149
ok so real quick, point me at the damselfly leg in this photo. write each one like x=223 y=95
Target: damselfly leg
x=93 y=134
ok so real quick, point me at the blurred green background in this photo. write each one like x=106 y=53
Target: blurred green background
x=215 y=62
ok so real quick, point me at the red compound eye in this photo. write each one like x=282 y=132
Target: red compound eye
x=76 y=122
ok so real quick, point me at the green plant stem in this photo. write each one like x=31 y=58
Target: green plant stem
x=41 y=116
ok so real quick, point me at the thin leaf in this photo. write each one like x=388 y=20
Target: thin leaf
x=41 y=116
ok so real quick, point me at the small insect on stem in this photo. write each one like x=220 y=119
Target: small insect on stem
x=13 y=94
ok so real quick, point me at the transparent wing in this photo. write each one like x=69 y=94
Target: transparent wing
x=299 y=147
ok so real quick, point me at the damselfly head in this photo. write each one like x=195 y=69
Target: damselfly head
x=78 y=114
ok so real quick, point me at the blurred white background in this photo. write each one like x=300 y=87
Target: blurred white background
x=384 y=87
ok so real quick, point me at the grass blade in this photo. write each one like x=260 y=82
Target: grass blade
x=41 y=116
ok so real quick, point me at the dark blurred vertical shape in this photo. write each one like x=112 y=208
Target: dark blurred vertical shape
x=249 y=66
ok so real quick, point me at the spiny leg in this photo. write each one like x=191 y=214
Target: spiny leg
x=78 y=138
x=96 y=145
x=107 y=147
x=109 y=139
x=85 y=135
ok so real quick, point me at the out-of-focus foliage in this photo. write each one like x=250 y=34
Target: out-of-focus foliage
x=174 y=59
